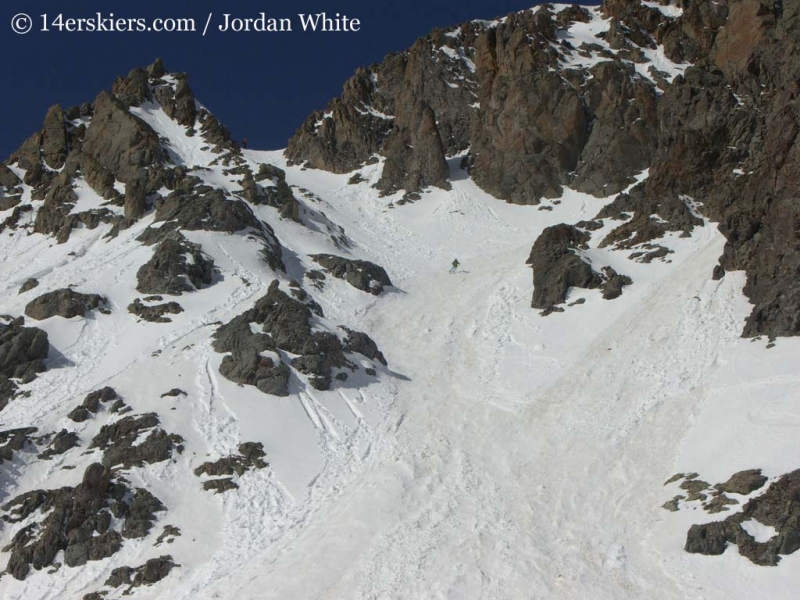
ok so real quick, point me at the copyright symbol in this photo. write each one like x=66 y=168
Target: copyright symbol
x=21 y=23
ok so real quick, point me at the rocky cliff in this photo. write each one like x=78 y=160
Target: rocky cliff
x=703 y=94
x=146 y=168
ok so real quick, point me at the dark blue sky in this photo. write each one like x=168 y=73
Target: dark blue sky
x=261 y=85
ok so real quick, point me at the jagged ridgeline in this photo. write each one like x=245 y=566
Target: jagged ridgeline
x=108 y=150
x=703 y=94
x=175 y=195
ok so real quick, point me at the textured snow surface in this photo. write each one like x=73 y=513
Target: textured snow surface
x=502 y=455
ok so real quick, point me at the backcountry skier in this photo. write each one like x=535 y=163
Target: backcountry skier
x=455 y=265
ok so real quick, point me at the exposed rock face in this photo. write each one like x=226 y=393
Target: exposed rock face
x=54 y=138
x=536 y=120
x=10 y=190
x=714 y=498
x=778 y=507
x=178 y=101
x=122 y=143
x=22 y=350
x=118 y=441
x=343 y=137
x=55 y=217
x=251 y=456
x=531 y=122
x=745 y=482
x=198 y=207
x=154 y=313
x=276 y=323
x=359 y=342
x=422 y=96
x=713 y=123
x=557 y=266
x=652 y=218
x=22 y=354
x=28 y=285
x=622 y=140
x=91 y=404
x=152 y=571
x=62 y=442
x=65 y=303
x=614 y=282
x=177 y=266
x=78 y=521
x=214 y=132
x=531 y=130
x=417 y=154
x=361 y=274
x=105 y=144
x=14 y=440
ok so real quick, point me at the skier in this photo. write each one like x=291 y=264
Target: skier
x=244 y=143
x=455 y=265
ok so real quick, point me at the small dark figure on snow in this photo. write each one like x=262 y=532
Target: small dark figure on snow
x=244 y=143
x=455 y=265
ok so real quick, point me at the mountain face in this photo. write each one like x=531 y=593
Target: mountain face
x=700 y=93
x=231 y=373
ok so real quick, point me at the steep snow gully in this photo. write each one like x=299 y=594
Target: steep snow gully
x=503 y=454
x=525 y=456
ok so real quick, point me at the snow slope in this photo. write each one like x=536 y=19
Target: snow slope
x=502 y=454
x=526 y=455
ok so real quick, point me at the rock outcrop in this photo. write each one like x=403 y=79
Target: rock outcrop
x=423 y=97
x=66 y=303
x=744 y=482
x=152 y=571
x=251 y=456
x=108 y=146
x=154 y=313
x=417 y=154
x=22 y=350
x=361 y=274
x=778 y=507
x=78 y=521
x=557 y=265
x=14 y=440
x=538 y=113
x=60 y=443
x=279 y=323
x=177 y=266
x=22 y=353
x=28 y=285
x=194 y=206
x=10 y=190
x=121 y=446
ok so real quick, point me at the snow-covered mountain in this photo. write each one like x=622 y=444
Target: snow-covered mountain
x=227 y=373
